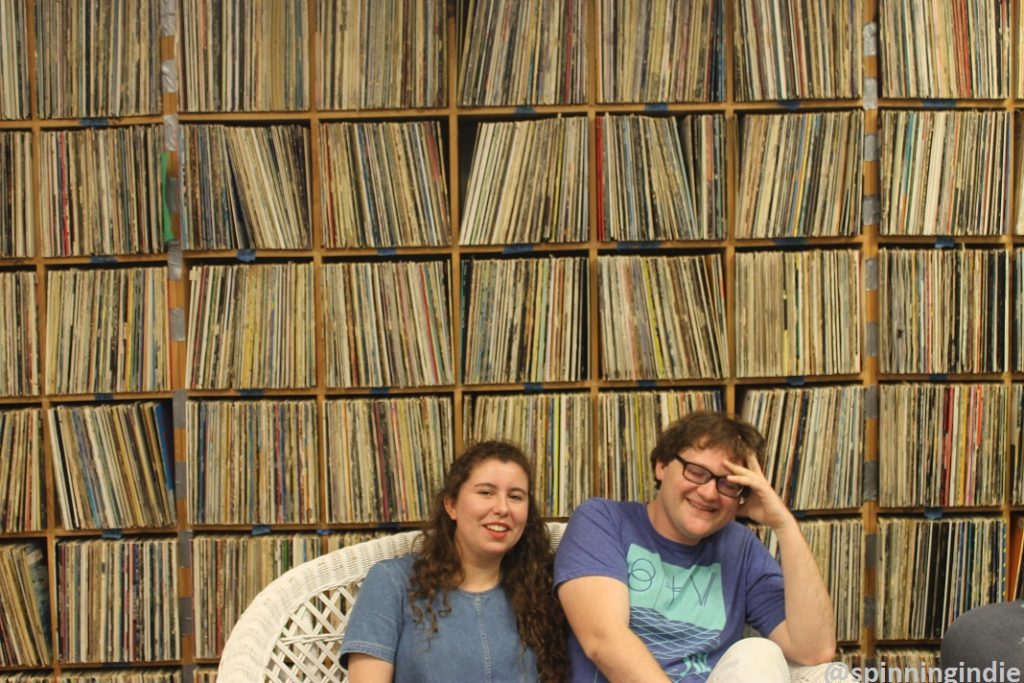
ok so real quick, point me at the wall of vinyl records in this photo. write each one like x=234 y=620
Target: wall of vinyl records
x=267 y=265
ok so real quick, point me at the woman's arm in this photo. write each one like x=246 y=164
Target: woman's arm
x=375 y=624
x=364 y=668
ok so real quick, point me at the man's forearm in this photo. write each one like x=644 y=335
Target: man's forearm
x=623 y=658
x=598 y=611
x=809 y=616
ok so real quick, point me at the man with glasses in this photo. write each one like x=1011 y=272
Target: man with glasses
x=660 y=591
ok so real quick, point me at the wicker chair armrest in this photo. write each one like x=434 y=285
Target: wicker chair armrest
x=300 y=608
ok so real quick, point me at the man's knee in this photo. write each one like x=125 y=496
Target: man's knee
x=751 y=659
x=757 y=648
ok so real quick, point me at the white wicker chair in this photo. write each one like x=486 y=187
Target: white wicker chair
x=292 y=630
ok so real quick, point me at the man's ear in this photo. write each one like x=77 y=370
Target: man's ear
x=659 y=471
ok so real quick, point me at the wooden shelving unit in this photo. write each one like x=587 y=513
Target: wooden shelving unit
x=458 y=133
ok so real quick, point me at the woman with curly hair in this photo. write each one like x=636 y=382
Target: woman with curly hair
x=476 y=602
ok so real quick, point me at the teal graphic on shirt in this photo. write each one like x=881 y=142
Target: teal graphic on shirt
x=679 y=612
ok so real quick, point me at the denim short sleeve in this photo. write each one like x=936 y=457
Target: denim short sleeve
x=375 y=623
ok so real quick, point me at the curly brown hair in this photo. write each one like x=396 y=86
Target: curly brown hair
x=526 y=569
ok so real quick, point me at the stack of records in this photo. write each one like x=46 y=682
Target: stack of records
x=662 y=317
x=942 y=445
x=221 y=70
x=381 y=54
x=253 y=462
x=942 y=311
x=945 y=50
x=97 y=59
x=17 y=212
x=522 y=52
x=19 y=335
x=245 y=187
x=384 y=185
x=630 y=424
x=388 y=324
x=386 y=457
x=674 y=51
x=806 y=49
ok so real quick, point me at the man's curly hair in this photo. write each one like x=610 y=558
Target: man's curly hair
x=707 y=429
x=526 y=569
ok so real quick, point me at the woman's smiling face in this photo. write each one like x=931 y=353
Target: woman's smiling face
x=490 y=511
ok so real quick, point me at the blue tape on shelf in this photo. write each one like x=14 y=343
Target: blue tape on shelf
x=102 y=260
x=323 y=532
x=656 y=107
x=933 y=513
x=261 y=530
x=938 y=104
x=246 y=255
x=250 y=393
x=626 y=246
x=789 y=104
x=104 y=397
x=945 y=242
x=533 y=387
x=387 y=251
x=380 y=391
x=799 y=514
x=94 y=123
x=525 y=109
x=517 y=249
x=388 y=526
x=647 y=384
x=789 y=242
x=938 y=377
x=795 y=381
x=112 y=534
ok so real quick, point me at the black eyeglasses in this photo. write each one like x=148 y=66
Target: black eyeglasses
x=699 y=474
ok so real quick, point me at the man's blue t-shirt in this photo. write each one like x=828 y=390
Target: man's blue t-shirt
x=687 y=603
